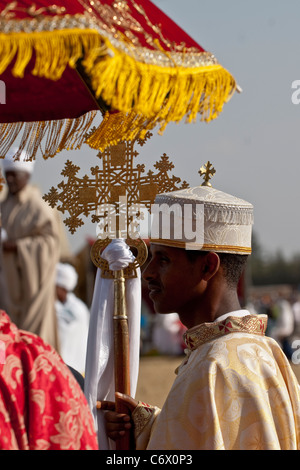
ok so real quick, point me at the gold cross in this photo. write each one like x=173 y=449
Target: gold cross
x=208 y=172
x=118 y=178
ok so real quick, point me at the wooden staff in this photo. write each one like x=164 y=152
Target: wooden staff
x=121 y=342
x=121 y=350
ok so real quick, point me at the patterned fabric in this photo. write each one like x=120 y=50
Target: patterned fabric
x=144 y=414
x=200 y=334
x=41 y=405
x=217 y=221
x=143 y=417
x=235 y=391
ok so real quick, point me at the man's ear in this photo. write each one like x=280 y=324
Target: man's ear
x=211 y=265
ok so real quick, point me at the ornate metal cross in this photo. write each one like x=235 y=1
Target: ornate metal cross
x=118 y=179
x=208 y=172
x=115 y=193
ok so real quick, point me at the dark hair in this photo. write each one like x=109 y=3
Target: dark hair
x=233 y=265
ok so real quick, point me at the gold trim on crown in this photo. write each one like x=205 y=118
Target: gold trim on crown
x=204 y=247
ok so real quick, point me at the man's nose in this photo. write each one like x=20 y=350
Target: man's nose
x=149 y=272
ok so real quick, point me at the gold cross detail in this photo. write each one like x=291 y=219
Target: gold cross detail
x=208 y=172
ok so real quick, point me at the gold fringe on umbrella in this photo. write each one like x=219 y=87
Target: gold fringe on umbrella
x=50 y=137
x=165 y=93
x=118 y=124
x=54 y=50
x=147 y=88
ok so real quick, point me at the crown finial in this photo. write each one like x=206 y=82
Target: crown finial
x=208 y=172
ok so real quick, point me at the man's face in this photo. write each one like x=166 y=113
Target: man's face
x=16 y=180
x=61 y=293
x=173 y=280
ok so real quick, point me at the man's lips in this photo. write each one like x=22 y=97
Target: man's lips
x=154 y=289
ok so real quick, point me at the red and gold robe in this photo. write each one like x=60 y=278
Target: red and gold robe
x=42 y=406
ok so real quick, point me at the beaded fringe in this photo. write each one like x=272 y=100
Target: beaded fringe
x=50 y=137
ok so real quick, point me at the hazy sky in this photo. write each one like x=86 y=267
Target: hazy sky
x=255 y=143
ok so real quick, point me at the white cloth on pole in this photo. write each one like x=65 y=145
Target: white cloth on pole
x=73 y=318
x=99 y=373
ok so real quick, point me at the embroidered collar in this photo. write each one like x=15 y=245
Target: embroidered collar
x=253 y=324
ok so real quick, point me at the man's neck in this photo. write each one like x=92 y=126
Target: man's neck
x=210 y=310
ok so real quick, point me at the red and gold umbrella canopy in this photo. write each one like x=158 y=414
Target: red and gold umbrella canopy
x=63 y=62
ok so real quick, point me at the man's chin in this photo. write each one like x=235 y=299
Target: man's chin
x=161 y=309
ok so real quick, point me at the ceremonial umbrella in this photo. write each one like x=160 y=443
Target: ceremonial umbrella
x=62 y=63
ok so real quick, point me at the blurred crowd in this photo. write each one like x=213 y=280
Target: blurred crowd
x=283 y=311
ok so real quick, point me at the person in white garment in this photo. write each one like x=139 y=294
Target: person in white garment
x=284 y=323
x=235 y=389
x=167 y=334
x=30 y=250
x=73 y=318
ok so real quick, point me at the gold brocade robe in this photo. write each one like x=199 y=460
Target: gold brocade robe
x=235 y=391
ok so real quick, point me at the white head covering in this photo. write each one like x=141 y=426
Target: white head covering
x=203 y=218
x=66 y=276
x=17 y=161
